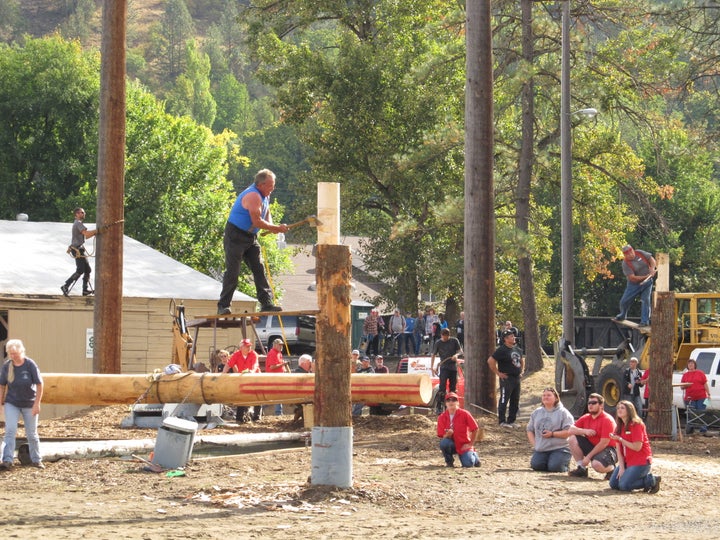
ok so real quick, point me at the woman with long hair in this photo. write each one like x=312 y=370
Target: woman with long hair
x=547 y=432
x=634 y=453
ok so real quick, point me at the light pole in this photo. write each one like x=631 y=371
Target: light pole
x=566 y=225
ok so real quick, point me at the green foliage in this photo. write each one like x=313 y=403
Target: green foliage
x=79 y=23
x=191 y=94
x=279 y=149
x=176 y=191
x=175 y=30
x=49 y=92
x=233 y=106
x=9 y=18
x=378 y=111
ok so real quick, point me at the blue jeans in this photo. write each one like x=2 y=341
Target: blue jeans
x=551 y=461
x=357 y=409
x=12 y=417
x=698 y=405
x=632 y=291
x=418 y=342
x=278 y=409
x=467 y=459
x=636 y=477
x=409 y=344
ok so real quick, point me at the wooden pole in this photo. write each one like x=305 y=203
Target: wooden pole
x=332 y=434
x=332 y=388
x=107 y=321
x=235 y=388
x=661 y=365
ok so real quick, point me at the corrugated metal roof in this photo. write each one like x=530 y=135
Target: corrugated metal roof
x=33 y=261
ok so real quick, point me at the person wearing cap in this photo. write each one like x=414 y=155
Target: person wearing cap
x=458 y=431
x=396 y=327
x=639 y=268
x=274 y=363
x=244 y=360
x=447 y=349
x=508 y=325
x=355 y=358
x=380 y=366
x=364 y=367
x=508 y=363
x=631 y=384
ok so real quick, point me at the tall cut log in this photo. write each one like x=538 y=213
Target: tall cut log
x=661 y=365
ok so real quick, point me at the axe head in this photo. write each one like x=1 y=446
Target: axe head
x=313 y=221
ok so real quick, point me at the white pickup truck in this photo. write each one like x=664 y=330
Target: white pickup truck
x=708 y=361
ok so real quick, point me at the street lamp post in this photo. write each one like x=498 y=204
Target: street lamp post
x=566 y=236
x=566 y=225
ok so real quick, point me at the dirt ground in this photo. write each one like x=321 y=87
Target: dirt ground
x=401 y=489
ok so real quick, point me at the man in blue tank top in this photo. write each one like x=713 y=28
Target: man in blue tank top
x=249 y=214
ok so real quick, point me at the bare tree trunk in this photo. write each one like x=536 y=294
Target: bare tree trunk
x=659 y=417
x=479 y=297
x=107 y=320
x=533 y=355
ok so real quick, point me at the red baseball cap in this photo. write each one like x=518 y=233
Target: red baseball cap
x=451 y=395
x=245 y=342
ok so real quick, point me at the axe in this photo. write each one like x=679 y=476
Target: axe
x=313 y=221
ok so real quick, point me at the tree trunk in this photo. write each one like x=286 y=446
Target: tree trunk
x=533 y=354
x=661 y=365
x=107 y=320
x=479 y=285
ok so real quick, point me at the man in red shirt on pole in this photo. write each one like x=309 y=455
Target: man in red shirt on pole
x=245 y=360
x=458 y=431
x=590 y=442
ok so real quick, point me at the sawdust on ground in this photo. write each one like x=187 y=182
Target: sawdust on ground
x=401 y=489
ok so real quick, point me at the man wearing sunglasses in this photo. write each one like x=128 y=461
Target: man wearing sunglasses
x=458 y=431
x=590 y=442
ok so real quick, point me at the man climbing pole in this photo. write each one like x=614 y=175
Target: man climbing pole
x=80 y=233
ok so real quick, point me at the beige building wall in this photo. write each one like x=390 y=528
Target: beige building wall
x=55 y=334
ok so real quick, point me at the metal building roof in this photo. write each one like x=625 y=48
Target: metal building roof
x=33 y=261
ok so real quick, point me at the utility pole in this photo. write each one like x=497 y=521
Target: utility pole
x=107 y=321
x=566 y=222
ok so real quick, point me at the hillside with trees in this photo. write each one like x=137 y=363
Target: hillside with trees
x=371 y=94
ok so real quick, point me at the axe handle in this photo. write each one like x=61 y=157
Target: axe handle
x=291 y=226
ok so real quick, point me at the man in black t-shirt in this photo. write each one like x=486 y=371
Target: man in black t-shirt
x=447 y=349
x=508 y=363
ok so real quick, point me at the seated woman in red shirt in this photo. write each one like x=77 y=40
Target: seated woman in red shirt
x=634 y=453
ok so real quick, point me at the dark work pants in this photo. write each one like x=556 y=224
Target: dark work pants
x=243 y=246
x=509 y=396
x=82 y=268
x=448 y=375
